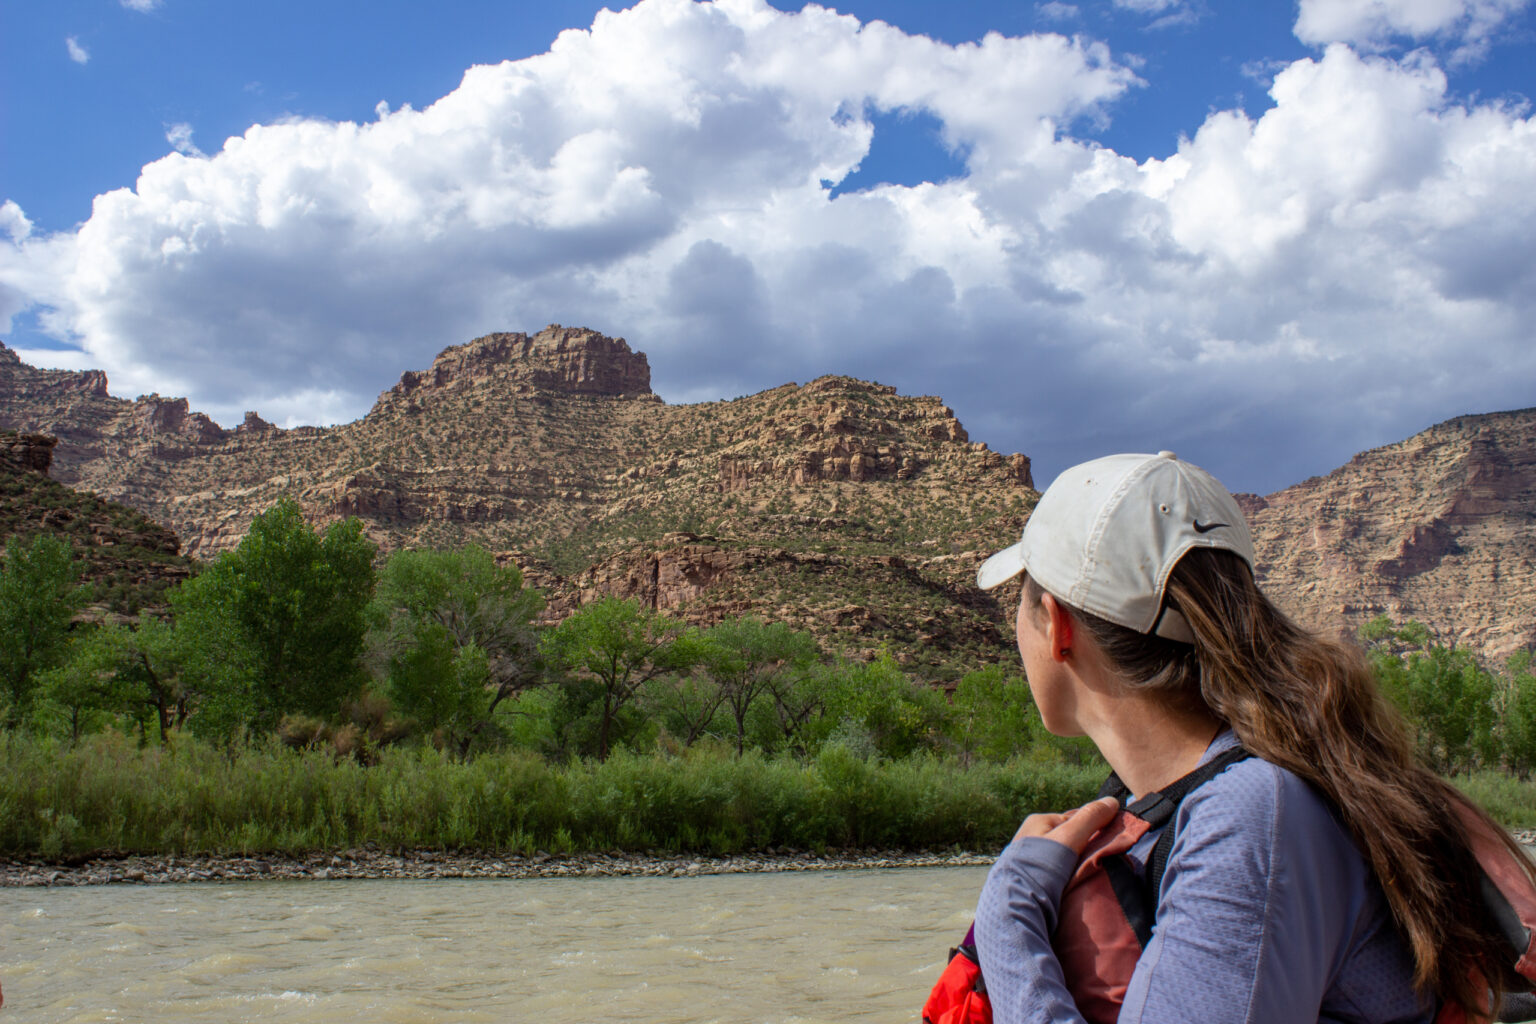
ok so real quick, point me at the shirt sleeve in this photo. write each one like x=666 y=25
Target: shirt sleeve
x=1254 y=916
x=1015 y=917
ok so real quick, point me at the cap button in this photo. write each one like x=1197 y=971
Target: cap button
x=1165 y=454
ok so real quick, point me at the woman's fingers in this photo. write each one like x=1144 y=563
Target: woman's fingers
x=1073 y=828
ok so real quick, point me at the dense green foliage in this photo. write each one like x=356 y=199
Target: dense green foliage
x=609 y=651
x=293 y=636
x=106 y=793
x=456 y=637
x=38 y=595
x=276 y=626
x=296 y=699
x=1464 y=716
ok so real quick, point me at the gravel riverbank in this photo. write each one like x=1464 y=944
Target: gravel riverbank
x=436 y=864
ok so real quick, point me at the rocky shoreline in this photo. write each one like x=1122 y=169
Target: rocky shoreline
x=157 y=870
x=369 y=863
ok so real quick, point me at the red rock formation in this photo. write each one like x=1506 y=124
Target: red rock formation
x=154 y=416
x=30 y=453
x=1435 y=528
x=568 y=359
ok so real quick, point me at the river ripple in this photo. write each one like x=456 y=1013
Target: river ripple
x=789 y=948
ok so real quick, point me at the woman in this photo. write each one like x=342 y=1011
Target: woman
x=1326 y=877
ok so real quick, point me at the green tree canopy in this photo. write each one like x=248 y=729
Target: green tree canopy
x=877 y=709
x=620 y=647
x=457 y=635
x=993 y=715
x=276 y=626
x=39 y=593
x=1446 y=696
x=746 y=656
x=118 y=668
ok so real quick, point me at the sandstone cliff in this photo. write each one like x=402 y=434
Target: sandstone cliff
x=1440 y=528
x=837 y=505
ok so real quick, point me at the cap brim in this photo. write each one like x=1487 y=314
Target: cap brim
x=1001 y=567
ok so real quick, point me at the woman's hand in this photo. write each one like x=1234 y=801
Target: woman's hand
x=1073 y=828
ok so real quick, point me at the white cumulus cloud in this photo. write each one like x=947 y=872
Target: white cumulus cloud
x=1374 y=24
x=142 y=6
x=77 y=53
x=1339 y=272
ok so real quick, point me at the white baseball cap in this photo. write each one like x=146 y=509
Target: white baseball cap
x=1107 y=533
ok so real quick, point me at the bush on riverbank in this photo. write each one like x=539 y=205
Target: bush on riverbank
x=106 y=794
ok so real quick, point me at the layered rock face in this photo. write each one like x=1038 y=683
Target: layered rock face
x=568 y=359
x=1440 y=528
x=837 y=505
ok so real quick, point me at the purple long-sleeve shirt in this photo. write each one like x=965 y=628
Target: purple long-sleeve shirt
x=1267 y=914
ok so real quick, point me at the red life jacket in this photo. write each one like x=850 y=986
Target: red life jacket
x=960 y=997
x=1107 y=912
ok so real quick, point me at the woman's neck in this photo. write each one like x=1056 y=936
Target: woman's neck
x=1149 y=744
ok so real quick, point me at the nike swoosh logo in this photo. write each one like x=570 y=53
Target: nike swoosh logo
x=1207 y=527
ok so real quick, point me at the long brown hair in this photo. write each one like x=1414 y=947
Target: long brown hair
x=1312 y=706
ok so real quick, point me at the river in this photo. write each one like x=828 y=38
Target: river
x=783 y=948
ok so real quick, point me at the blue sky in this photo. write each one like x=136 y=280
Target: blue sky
x=1267 y=235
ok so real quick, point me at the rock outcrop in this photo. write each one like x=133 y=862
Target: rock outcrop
x=26 y=453
x=1437 y=528
x=838 y=504
x=127 y=560
x=154 y=416
x=567 y=359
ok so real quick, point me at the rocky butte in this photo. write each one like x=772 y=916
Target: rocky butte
x=837 y=505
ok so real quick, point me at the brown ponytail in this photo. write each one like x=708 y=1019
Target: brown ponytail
x=1311 y=706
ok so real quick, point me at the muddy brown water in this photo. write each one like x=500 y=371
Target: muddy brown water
x=785 y=948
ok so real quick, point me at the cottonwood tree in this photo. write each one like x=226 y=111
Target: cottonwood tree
x=457 y=636
x=992 y=715
x=1447 y=697
x=799 y=702
x=618 y=647
x=276 y=626
x=878 y=709
x=39 y=593
x=745 y=657
x=688 y=703
x=117 y=668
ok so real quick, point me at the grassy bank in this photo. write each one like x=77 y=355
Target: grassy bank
x=1511 y=801
x=108 y=795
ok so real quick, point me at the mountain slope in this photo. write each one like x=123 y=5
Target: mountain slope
x=837 y=505
x=127 y=560
x=1440 y=527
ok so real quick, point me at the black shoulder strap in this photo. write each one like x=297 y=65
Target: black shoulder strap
x=1166 y=802
x=1138 y=896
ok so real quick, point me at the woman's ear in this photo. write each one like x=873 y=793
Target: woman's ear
x=1058 y=627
